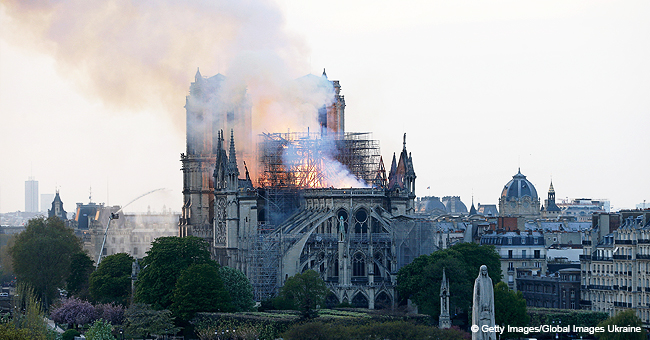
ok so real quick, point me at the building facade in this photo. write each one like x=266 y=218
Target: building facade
x=558 y=290
x=128 y=233
x=210 y=107
x=517 y=250
x=615 y=264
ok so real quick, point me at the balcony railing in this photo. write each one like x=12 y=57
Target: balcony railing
x=600 y=258
x=599 y=287
x=643 y=256
x=624 y=241
x=622 y=257
x=523 y=257
x=586 y=243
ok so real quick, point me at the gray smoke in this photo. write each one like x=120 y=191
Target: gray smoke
x=141 y=54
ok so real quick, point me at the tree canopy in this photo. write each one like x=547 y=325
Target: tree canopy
x=239 y=288
x=111 y=282
x=28 y=313
x=509 y=307
x=420 y=280
x=162 y=266
x=142 y=321
x=73 y=312
x=77 y=284
x=199 y=289
x=622 y=319
x=304 y=292
x=41 y=255
x=100 y=330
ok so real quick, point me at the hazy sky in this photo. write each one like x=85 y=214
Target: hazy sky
x=92 y=93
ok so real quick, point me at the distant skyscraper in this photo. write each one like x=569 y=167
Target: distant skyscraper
x=31 y=195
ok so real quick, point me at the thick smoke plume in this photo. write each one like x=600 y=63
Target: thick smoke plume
x=140 y=54
x=135 y=55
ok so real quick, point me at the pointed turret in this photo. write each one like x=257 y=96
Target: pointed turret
x=444 y=321
x=393 y=166
x=232 y=155
x=233 y=170
x=57 y=208
x=324 y=74
x=380 y=180
x=472 y=210
x=550 y=202
x=221 y=165
x=197 y=76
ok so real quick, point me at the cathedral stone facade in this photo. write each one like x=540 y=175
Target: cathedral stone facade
x=291 y=219
x=345 y=234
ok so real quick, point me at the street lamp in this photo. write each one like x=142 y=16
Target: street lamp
x=122 y=333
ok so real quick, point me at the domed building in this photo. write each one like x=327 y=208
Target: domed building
x=519 y=198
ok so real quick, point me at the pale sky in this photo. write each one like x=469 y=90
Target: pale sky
x=92 y=95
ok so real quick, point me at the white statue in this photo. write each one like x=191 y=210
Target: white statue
x=483 y=307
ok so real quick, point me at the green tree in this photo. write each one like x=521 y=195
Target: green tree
x=100 y=330
x=239 y=288
x=111 y=282
x=41 y=255
x=162 y=266
x=6 y=266
x=305 y=292
x=28 y=312
x=142 y=321
x=199 y=289
x=420 y=280
x=77 y=284
x=475 y=255
x=9 y=332
x=509 y=307
x=70 y=334
x=622 y=319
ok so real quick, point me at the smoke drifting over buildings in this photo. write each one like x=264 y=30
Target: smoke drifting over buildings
x=137 y=54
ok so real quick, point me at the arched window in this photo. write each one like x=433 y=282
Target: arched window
x=358 y=265
x=360 y=301
x=361 y=221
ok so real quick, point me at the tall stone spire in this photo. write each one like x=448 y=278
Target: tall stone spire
x=233 y=170
x=444 y=321
x=232 y=155
x=197 y=76
x=220 y=168
x=472 y=210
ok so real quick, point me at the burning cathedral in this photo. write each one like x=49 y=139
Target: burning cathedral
x=278 y=204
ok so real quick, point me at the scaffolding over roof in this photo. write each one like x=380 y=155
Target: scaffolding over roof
x=302 y=160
